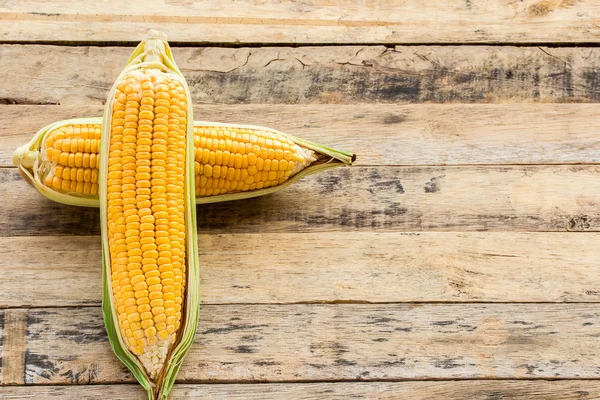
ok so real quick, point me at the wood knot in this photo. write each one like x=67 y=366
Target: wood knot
x=492 y=332
x=579 y=223
x=545 y=7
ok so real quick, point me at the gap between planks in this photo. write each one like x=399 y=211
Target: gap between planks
x=328 y=302
x=240 y=383
x=254 y=45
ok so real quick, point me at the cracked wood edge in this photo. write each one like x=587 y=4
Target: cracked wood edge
x=321 y=267
x=286 y=343
x=338 y=22
x=326 y=74
x=13 y=346
x=450 y=390
x=386 y=134
x=554 y=198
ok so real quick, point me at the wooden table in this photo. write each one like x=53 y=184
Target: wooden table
x=459 y=259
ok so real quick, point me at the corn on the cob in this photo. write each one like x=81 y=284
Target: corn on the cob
x=231 y=161
x=145 y=211
x=238 y=160
x=146 y=188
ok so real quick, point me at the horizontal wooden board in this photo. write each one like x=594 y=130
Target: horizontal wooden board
x=82 y=75
x=288 y=21
x=508 y=198
x=449 y=390
x=386 y=134
x=260 y=343
x=320 y=267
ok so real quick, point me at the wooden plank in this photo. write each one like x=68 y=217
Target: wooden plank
x=286 y=343
x=34 y=206
x=1 y=344
x=83 y=75
x=428 y=134
x=510 y=198
x=288 y=21
x=73 y=277
x=320 y=267
x=13 y=349
x=452 y=390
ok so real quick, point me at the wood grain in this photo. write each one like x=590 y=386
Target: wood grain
x=71 y=277
x=451 y=390
x=82 y=75
x=1 y=344
x=287 y=343
x=320 y=267
x=288 y=21
x=508 y=198
x=386 y=134
x=13 y=349
x=455 y=211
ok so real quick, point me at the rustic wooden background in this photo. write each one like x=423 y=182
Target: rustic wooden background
x=458 y=259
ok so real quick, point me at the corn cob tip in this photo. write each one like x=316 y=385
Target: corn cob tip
x=24 y=157
x=155 y=46
x=155 y=34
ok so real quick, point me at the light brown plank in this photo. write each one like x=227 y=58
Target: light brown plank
x=292 y=22
x=452 y=390
x=428 y=134
x=510 y=198
x=12 y=351
x=256 y=343
x=321 y=267
x=83 y=75
x=1 y=343
x=30 y=214
x=31 y=277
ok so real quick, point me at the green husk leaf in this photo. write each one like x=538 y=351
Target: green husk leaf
x=160 y=388
x=117 y=345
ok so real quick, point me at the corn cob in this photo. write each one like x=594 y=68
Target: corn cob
x=231 y=161
x=148 y=224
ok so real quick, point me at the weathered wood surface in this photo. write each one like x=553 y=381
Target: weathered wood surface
x=320 y=267
x=13 y=334
x=2 y=345
x=400 y=227
x=443 y=390
x=338 y=22
x=34 y=74
x=492 y=198
x=387 y=134
x=287 y=343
